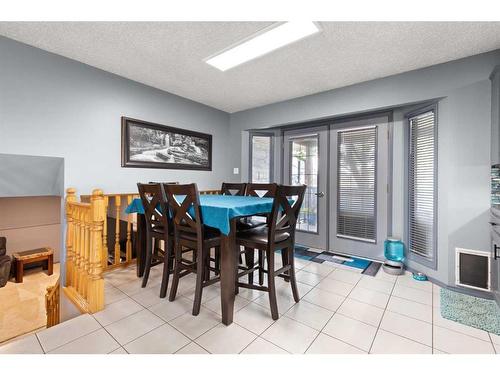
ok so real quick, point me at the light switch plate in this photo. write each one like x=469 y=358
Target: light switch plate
x=236 y=170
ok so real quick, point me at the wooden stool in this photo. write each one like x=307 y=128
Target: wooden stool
x=31 y=256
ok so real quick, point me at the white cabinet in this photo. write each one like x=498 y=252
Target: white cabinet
x=495 y=115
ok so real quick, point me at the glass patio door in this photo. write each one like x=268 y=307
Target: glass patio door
x=359 y=187
x=305 y=162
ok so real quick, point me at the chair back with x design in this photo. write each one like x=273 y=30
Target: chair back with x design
x=231 y=188
x=286 y=210
x=265 y=190
x=186 y=213
x=155 y=207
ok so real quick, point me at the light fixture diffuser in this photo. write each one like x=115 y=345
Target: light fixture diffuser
x=264 y=42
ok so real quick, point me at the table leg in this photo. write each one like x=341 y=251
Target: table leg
x=19 y=271
x=228 y=274
x=141 y=244
x=50 y=264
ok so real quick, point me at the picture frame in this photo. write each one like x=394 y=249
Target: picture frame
x=149 y=145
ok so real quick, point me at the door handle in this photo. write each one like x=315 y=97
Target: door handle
x=495 y=251
x=320 y=194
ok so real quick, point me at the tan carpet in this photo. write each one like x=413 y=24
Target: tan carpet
x=22 y=306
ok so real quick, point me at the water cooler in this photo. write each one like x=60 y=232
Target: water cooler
x=394 y=256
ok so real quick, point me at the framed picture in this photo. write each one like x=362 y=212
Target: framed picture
x=149 y=145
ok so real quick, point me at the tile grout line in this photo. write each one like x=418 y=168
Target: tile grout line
x=103 y=327
x=189 y=343
x=73 y=340
x=265 y=330
x=275 y=345
x=382 y=317
x=197 y=343
x=321 y=331
x=432 y=319
x=40 y=343
x=492 y=344
x=404 y=337
x=250 y=343
x=167 y=322
x=128 y=342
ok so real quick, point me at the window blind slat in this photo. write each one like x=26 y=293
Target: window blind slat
x=421 y=184
x=356 y=176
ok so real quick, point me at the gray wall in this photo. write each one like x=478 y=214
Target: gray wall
x=35 y=182
x=30 y=176
x=464 y=128
x=53 y=106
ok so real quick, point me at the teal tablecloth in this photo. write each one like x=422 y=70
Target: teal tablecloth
x=218 y=210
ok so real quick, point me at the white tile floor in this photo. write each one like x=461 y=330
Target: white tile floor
x=341 y=311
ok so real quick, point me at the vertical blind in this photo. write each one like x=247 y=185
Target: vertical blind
x=356 y=176
x=421 y=184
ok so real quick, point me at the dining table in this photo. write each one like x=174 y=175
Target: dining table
x=220 y=212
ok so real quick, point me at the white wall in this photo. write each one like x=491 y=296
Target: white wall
x=464 y=126
x=53 y=106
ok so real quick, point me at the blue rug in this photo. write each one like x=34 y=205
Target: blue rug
x=303 y=252
x=368 y=267
x=472 y=311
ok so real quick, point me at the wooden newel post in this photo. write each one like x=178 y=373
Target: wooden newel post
x=128 y=247
x=105 y=250
x=70 y=255
x=118 y=204
x=95 y=279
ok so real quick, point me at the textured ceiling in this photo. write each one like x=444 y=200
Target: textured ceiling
x=169 y=55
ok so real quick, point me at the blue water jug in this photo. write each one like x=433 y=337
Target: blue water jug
x=394 y=249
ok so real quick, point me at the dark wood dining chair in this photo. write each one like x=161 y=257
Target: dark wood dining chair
x=263 y=191
x=233 y=188
x=189 y=232
x=278 y=234
x=158 y=228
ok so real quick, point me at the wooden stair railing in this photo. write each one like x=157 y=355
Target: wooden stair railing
x=52 y=304
x=84 y=240
x=114 y=255
x=209 y=192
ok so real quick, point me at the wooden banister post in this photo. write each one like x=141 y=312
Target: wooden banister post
x=77 y=248
x=70 y=197
x=105 y=249
x=128 y=247
x=86 y=253
x=118 y=203
x=96 y=281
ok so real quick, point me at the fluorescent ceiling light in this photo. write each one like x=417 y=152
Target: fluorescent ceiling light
x=264 y=42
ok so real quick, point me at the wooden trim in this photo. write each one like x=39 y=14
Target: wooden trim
x=84 y=244
x=209 y=192
x=53 y=304
x=77 y=299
